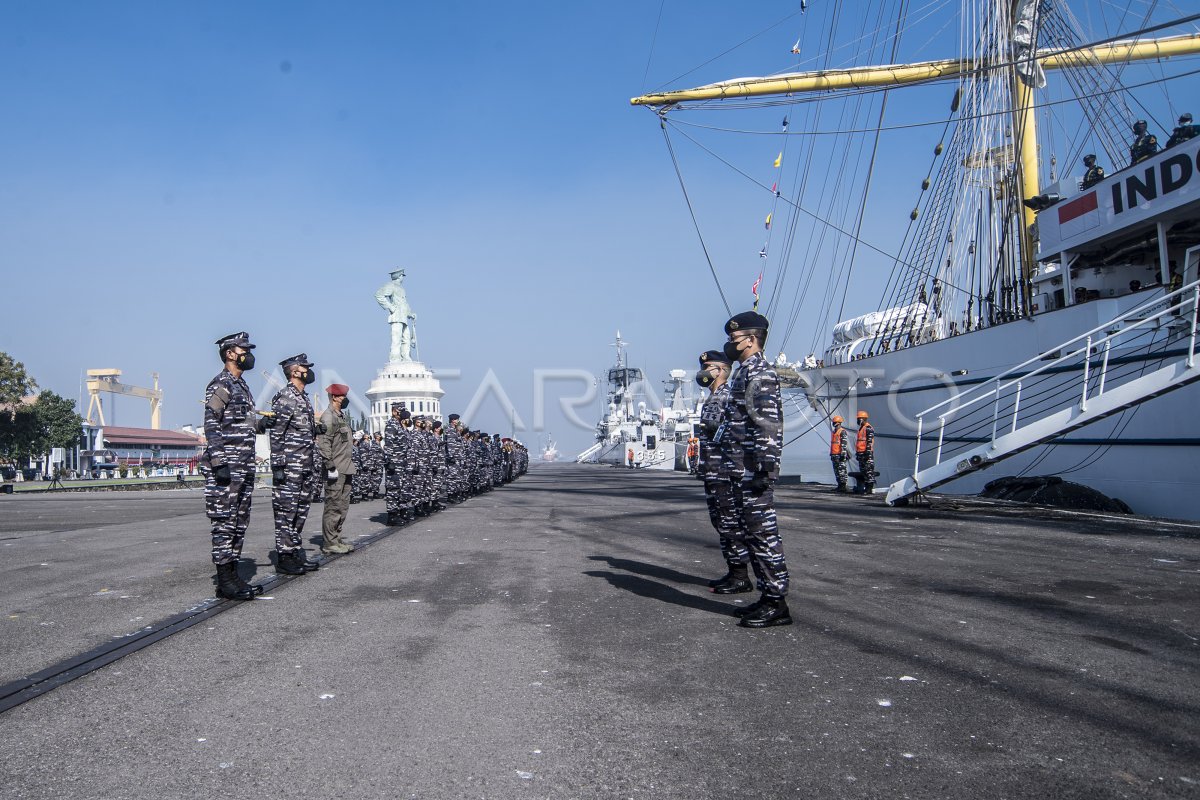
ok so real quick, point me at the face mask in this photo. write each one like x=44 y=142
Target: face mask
x=704 y=378
x=245 y=361
x=309 y=377
x=731 y=351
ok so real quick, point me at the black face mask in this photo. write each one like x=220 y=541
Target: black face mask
x=245 y=361
x=731 y=351
x=705 y=378
x=309 y=377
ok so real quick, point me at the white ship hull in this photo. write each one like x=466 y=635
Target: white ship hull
x=1147 y=455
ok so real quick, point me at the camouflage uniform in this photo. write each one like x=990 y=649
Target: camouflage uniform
x=455 y=463
x=485 y=463
x=754 y=426
x=293 y=442
x=865 y=453
x=497 y=461
x=229 y=428
x=376 y=471
x=839 y=454
x=400 y=458
x=719 y=475
x=359 y=457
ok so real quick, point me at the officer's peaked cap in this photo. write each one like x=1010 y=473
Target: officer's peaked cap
x=1089 y=157
x=746 y=321
x=300 y=359
x=454 y=417
x=709 y=356
x=1185 y=118
x=239 y=339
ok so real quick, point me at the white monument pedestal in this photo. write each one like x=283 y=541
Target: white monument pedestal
x=408 y=382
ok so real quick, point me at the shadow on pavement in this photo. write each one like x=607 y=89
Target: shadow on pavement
x=657 y=591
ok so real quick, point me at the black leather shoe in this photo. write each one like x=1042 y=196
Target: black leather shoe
x=734 y=585
x=772 y=612
x=309 y=564
x=288 y=564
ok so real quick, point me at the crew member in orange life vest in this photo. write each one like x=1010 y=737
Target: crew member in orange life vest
x=864 y=451
x=839 y=454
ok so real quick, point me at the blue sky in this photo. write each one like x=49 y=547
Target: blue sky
x=177 y=171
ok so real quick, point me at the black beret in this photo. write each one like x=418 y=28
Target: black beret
x=405 y=415
x=454 y=417
x=747 y=321
x=710 y=356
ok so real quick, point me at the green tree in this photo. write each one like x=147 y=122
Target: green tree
x=59 y=420
x=21 y=434
x=14 y=382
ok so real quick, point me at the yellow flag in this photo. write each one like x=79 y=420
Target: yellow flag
x=768 y=222
x=779 y=158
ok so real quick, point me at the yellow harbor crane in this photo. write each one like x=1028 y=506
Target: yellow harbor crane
x=108 y=380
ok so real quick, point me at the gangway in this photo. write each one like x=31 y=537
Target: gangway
x=586 y=455
x=1145 y=352
x=108 y=380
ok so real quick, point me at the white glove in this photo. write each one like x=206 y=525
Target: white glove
x=333 y=473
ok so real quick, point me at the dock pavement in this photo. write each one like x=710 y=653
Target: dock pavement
x=555 y=638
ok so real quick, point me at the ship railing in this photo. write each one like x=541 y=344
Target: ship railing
x=1181 y=305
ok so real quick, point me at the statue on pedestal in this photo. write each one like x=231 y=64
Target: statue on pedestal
x=392 y=298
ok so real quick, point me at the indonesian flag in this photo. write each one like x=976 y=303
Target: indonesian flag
x=1078 y=216
x=779 y=159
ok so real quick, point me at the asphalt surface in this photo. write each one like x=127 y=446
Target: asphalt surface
x=555 y=638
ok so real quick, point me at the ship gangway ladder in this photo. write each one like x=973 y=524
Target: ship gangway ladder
x=1094 y=394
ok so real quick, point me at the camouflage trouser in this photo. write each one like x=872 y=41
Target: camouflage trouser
x=394 y=494
x=376 y=476
x=722 y=511
x=841 y=470
x=758 y=530
x=357 y=482
x=228 y=509
x=866 y=465
x=290 y=502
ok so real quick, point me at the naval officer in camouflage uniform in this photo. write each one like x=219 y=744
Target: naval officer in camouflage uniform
x=397 y=452
x=228 y=461
x=334 y=445
x=376 y=450
x=455 y=460
x=720 y=474
x=293 y=442
x=753 y=423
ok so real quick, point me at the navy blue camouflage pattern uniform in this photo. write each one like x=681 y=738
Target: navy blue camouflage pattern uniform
x=720 y=475
x=754 y=425
x=229 y=428
x=293 y=442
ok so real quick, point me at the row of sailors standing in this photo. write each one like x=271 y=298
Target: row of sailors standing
x=310 y=455
x=1144 y=145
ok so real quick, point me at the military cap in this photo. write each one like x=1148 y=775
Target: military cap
x=397 y=404
x=1186 y=118
x=1141 y=122
x=437 y=423
x=405 y=414
x=358 y=435
x=1089 y=158
x=454 y=417
x=300 y=359
x=338 y=389
x=710 y=356
x=239 y=339
x=746 y=321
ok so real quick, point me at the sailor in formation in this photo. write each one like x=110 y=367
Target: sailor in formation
x=1184 y=131
x=751 y=440
x=230 y=425
x=719 y=474
x=424 y=466
x=293 y=443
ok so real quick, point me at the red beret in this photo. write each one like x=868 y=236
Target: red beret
x=338 y=389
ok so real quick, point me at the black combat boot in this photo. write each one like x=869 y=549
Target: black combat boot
x=309 y=564
x=729 y=575
x=287 y=564
x=393 y=519
x=771 y=611
x=230 y=585
x=736 y=582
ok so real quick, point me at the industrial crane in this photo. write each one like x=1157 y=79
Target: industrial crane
x=108 y=380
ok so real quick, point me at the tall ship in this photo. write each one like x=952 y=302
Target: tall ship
x=1033 y=315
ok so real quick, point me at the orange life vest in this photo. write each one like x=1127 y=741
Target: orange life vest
x=835 y=444
x=860 y=445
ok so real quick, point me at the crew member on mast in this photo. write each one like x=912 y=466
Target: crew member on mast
x=753 y=425
x=839 y=454
x=1183 y=131
x=1093 y=175
x=864 y=451
x=719 y=472
x=1144 y=144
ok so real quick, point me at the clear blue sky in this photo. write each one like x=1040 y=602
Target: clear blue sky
x=176 y=171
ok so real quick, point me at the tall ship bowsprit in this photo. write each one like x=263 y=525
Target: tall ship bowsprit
x=1035 y=318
